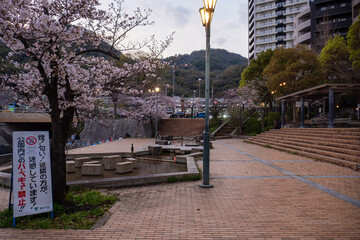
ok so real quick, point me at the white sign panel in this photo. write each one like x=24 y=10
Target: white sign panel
x=298 y=104
x=31 y=173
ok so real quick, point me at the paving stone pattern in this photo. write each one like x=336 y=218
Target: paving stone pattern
x=258 y=193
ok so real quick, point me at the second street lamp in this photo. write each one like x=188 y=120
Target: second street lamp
x=156 y=90
x=206 y=14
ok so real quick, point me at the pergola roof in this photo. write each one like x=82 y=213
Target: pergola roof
x=322 y=91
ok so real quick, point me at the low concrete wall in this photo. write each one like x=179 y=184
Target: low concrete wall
x=115 y=128
x=5 y=158
x=137 y=180
x=183 y=127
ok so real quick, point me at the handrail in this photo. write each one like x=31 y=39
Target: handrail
x=218 y=129
x=233 y=132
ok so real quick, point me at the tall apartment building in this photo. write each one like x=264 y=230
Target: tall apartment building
x=322 y=19
x=356 y=9
x=271 y=23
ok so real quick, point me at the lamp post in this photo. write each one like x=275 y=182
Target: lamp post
x=197 y=108
x=173 y=79
x=206 y=14
x=156 y=90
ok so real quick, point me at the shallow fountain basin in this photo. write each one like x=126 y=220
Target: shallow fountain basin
x=152 y=169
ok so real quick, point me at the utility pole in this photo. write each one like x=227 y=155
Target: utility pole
x=173 y=76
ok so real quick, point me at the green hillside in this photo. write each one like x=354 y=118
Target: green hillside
x=225 y=67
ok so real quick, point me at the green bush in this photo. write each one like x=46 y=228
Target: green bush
x=252 y=126
x=214 y=123
x=80 y=210
x=270 y=119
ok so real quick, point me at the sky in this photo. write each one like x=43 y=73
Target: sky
x=228 y=27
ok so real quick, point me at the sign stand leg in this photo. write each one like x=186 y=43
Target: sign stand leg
x=11 y=186
x=52 y=214
x=14 y=223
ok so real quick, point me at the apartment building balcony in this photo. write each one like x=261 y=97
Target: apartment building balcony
x=267 y=24
x=292 y=2
x=280 y=21
x=333 y=12
x=251 y=35
x=356 y=10
x=264 y=9
x=305 y=14
x=304 y=25
x=293 y=11
x=251 y=40
x=280 y=13
x=303 y=39
x=338 y=25
x=257 y=2
x=265 y=41
x=280 y=30
x=280 y=5
x=289 y=29
x=251 y=25
x=265 y=17
x=251 y=55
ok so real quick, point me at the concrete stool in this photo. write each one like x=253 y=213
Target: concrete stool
x=124 y=167
x=109 y=162
x=91 y=169
x=92 y=162
x=70 y=166
x=155 y=150
x=196 y=150
x=133 y=161
x=80 y=161
x=162 y=142
x=180 y=158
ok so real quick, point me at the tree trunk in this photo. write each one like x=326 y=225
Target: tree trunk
x=58 y=172
x=60 y=129
x=115 y=110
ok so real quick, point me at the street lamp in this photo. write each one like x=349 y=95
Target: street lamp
x=206 y=14
x=156 y=90
x=197 y=110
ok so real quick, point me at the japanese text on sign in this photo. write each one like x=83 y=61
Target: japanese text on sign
x=31 y=173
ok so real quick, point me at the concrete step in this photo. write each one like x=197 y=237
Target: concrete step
x=298 y=147
x=355 y=143
x=322 y=145
x=318 y=157
x=350 y=129
x=318 y=135
x=332 y=142
x=347 y=131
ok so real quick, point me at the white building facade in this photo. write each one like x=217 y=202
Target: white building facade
x=271 y=24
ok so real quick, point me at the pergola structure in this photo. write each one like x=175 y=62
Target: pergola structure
x=320 y=92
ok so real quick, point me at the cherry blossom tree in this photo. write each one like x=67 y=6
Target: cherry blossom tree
x=237 y=101
x=63 y=74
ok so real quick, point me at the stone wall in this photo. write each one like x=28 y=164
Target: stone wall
x=115 y=128
x=181 y=127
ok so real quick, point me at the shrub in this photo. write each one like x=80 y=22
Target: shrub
x=252 y=125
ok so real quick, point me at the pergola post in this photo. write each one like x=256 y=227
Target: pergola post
x=302 y=113
x=294 y=112
x=282 y=113
x=309 y=111
x=331 y=108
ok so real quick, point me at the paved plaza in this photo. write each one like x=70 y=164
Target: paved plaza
x=258 y=193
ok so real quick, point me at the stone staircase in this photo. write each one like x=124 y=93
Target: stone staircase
x=226 y=130
x=335 y=145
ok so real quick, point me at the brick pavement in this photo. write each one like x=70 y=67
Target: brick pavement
x=255 y=196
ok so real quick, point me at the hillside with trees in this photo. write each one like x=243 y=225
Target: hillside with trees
x=225 y=67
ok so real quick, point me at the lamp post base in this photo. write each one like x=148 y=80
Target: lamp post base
x=206 y=185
